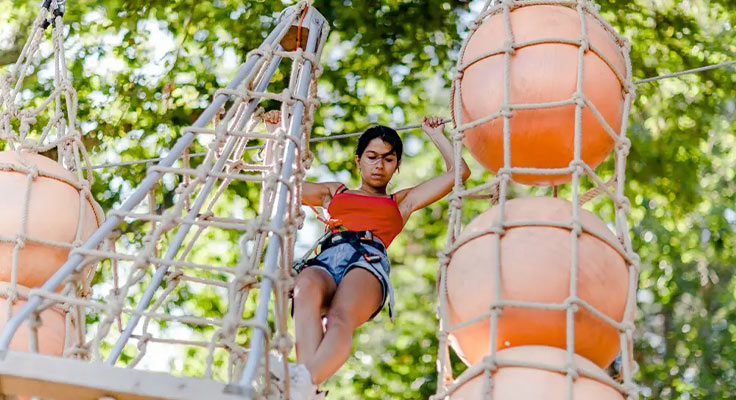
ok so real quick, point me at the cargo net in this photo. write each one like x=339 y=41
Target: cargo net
x=44 y=167
x=185 y=267
x=537 y=294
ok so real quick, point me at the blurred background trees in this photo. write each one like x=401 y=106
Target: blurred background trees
x=144 y=69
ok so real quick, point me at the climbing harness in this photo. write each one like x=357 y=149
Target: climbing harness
x=335 y=234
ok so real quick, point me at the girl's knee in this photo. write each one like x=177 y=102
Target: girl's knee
x=311 y=283
x=342 y=316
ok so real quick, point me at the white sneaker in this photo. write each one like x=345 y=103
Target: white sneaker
x=301 y=386
x=300 y=380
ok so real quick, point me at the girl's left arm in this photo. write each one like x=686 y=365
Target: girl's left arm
x=429 y=191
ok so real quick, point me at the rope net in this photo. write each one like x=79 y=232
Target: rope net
x=43 y=155
x=511 y=364
x=128 y=290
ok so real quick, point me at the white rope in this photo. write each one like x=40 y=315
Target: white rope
x=330 y=137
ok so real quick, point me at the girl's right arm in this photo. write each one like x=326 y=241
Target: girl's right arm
x=318 y=194
x=313 y=194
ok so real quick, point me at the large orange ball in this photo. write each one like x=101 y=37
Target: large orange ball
x=521 y=383
x=535 y=267
x=53 y=215
x=543 y=137
x=51 y=332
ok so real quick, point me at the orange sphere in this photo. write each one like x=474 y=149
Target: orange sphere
x=540 y=73
x=520 y=383
x=535 y=267
x=51 y=332
x=53 y=214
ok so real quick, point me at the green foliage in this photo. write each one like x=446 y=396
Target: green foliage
x=389 y=62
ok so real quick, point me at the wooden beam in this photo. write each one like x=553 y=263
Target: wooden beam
x=68 y=379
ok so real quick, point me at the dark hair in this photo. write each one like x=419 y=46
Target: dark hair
x=386 y=134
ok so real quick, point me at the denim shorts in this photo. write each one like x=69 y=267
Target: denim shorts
x=339 y=259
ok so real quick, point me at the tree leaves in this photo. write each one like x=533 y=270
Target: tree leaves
x=145 y=69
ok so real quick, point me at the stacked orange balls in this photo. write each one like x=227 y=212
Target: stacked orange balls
x=520 y=258
x=40 y=213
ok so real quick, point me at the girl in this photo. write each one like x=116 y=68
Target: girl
x=348 y=281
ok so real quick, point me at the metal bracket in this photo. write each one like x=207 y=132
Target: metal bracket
x=58 y=11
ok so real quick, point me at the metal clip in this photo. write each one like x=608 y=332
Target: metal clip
x=371 y=258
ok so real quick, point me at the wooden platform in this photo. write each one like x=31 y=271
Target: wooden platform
x=66 y=379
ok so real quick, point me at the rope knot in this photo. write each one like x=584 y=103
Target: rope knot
x=456 y=202
x=628 y=327
x=86 y=188
x=283 y=343
x=443 y=258
x=207 y=215
x=578 y=99
x=114 y=302
x=33 y=171
x=143 y=341
x=508 y=47
x=168 y=220
x=67 y=87
x=229 y=327
x=577 y=229
x=35 y=321
x=146 y=337
x=571 y=303
x=300 y=217
x=202 y=172
x=8 y=79
x=175 y=275
x=504 y=174
x=181 y=188
x=505 y=111
x=26 y=120
x=20 y=240
x=266 y=53
x=496 y=308
x=457 y=135
x=490 y=363
x=635 y=258
x=307 y=159
x=571 y=370
x=624 y=203
x=630 y=87
x=236 y=166
x=592 y=6
x=578 y=166
x=626 y=45
x=288 y=98
x=584 y=44
x=623 y=145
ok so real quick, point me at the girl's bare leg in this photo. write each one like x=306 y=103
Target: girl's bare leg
x=312 y=293
x=356 y=299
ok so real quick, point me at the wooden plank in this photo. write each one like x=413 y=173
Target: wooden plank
x=67 y=379
x=289 y=40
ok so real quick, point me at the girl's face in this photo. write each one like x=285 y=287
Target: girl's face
x=378 y=163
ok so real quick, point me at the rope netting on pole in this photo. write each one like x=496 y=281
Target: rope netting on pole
x=47 y=207
x=537 y=294
x=126 y=287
